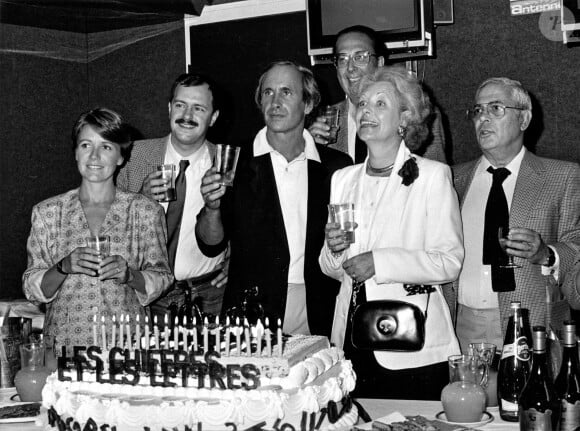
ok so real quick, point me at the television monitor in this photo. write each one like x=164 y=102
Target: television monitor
x=405 y=26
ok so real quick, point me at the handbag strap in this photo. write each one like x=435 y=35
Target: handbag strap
x=359 y=296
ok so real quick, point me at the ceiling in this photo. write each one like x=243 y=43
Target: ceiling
x=87 y=16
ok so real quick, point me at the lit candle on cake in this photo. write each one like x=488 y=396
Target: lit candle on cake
x=195 y=334
x=137 y=334
x=95 y=337
x=268 y=338
x=156 y=341
x=114 y=332
x=279 y=336
x=176 y=334
x=228 y=336
x=166 y=332
x=259 y=333
x=247 y=337
x=238 y=337
x=205 y=335
x=121 y=330
x=129 y=341
x=103 y=334
x=147 y=332
x=183 y=329
x=217 y=334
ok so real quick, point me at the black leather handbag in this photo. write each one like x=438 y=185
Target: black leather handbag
x=389 y=325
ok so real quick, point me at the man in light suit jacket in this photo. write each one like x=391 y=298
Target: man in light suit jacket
x=193 y=109
x=543 y=198
x=358 y=52
x=276 y=211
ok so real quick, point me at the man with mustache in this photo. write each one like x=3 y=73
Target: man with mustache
x=358 y=51
x=275 y=214
x=540 y=202
x=193 y=109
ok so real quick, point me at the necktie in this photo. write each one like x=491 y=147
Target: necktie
x=175 y=211
x=496 y=216
x=360 y=150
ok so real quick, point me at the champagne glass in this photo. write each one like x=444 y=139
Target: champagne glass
x=502 y=236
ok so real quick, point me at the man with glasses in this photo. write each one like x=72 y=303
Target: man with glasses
x=536 y=200
x=358 y=52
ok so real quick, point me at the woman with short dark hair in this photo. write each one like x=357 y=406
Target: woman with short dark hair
x=75 y=281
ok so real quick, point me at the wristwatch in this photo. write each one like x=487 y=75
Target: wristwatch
x=59 y=267
x=551 y=258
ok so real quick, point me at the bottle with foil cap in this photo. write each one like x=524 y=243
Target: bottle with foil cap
x=568 y=381
x=539 y=409
x=514 y=365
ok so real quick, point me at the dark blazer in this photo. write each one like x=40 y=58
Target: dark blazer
x=254 y=224
x=547 y=200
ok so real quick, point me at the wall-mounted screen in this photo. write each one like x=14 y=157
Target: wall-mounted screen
x=404 y=25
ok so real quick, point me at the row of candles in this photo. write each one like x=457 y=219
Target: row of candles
x=260 y=333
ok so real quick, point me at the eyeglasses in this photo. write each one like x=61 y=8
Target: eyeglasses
x=359 y=59
x=495 y=109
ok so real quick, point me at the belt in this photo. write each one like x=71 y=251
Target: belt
x=415 y=289
x=196 y=281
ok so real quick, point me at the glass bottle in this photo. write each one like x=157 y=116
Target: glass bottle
x=568 y=381
x=514 y=365
x=30 y=379
x=539 y=409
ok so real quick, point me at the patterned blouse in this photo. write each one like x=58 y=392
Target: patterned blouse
x=137 y=231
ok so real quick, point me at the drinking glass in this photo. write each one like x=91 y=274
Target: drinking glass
x=168 y=174
x=331 y=116
x=502 y=236
x=343 y=214
x=226 y=160
x=101 y=243
x=486 y=353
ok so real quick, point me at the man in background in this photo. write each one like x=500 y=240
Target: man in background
x=276 y=212
x=538 y=199
x=358 y=52
x=193 y=109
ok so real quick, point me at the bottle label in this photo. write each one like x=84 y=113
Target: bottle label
x=533 y=420
x=508 y=406
x=520 y=349
x=523 y=349
x=570 y=419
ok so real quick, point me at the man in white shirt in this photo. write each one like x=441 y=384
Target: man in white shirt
x=358 y=52
x=543 y=206
x=275 y=214
x=193 y=109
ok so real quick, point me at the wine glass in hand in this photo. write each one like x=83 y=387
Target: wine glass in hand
x=502 y=236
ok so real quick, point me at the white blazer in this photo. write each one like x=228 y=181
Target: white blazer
x=415 y=235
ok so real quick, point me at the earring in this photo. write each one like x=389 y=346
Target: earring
x=401 y=131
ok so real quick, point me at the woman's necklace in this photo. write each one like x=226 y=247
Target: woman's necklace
x=379 y=172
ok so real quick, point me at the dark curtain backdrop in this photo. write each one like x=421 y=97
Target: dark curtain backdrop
x=43 y=94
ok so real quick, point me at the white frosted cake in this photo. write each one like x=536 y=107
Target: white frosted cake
x=305 y=388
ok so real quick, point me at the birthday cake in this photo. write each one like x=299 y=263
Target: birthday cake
x=301 y=384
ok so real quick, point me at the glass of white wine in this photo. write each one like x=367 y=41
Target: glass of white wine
x=502 y=236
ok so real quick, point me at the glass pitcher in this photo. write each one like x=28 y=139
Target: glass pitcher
x=30 y=379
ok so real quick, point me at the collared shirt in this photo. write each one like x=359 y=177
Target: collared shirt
x=475 y=279
x=351 y=128
x=292 y=185
x=189 y=260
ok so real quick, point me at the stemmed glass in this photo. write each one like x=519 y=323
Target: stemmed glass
x=502 y=236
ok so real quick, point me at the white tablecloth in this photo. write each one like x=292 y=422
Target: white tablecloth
x=375 y=408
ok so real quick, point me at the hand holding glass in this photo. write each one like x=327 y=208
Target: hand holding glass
x=226 y=160
x=168 y=174
x=343 y=214
x=502 y=235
